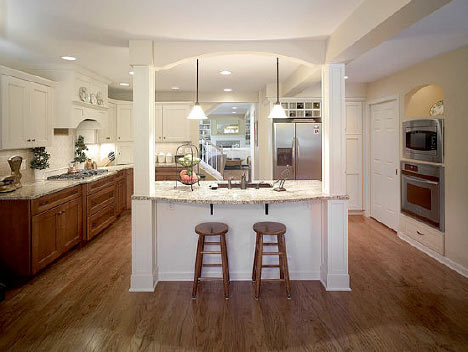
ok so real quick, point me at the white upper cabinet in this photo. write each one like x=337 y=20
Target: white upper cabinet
x=125 y=122
x=27 y=110
x=354 y=152
x=108 y=133
x=171 y=122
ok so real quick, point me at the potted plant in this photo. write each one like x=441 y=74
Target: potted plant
x=80 y=155
x=39 y=162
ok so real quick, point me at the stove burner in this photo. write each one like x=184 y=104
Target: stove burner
x=78 y=176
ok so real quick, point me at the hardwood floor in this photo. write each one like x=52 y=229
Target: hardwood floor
x=401 y=300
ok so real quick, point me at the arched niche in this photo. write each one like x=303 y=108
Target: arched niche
x=418 y=101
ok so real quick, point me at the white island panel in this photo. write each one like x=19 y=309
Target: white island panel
x=177 y=240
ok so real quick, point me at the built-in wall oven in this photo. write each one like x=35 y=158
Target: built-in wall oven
x=422 y=192
x=424 y=140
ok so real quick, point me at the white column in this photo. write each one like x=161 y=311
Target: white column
x=334 y=264
x=333 y=129
x=144 y=261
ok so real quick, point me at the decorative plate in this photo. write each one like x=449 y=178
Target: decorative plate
x=437 y=108
x=84 y=95
x=93 y=98
x=100 y=100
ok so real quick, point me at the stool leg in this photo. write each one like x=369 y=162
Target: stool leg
x=224 y=259
x=259 y=266
x=198 y=266
x=280 y=258
x=254 y=269
x=285 y=264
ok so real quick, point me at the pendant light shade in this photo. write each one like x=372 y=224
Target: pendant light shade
x=197 y=112
x=277 y=112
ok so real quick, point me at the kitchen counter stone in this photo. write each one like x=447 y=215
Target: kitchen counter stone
x=39 y=189
x=296 y=191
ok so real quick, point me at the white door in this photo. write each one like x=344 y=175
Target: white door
x=107 y=134
x=38 y=127
x=384 y=163
x=175 y=124
x=15 y=113
x=158 y=115
x=354 y=155
x=125 y=123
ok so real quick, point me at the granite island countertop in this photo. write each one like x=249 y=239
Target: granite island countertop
x=39 y=189
x=296 y=191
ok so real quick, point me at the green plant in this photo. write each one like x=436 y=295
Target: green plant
x=40 y=160
x=80 y=147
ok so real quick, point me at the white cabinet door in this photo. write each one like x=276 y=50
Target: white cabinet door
x=175 y=124
x=124 y=153
x=354 y=155
x=158 y=116
x=39 y=128
x=108 y=133
x=15 y=113
x=124 y=122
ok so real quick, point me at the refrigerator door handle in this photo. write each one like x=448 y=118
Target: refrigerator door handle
x=294 y=145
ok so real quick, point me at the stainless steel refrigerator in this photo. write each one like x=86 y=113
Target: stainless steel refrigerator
x=299 y=146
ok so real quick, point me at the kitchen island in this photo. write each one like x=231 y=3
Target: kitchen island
x=316 y=245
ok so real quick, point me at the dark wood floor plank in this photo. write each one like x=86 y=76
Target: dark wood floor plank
x=401 y=299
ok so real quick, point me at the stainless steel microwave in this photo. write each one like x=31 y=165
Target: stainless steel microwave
x=424 y=140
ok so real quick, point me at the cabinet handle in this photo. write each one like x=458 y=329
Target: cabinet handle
x=107 y=137
x=119 y=137
x=29 y=140
x=419 y=233
x=34 y=140
x=164 y=137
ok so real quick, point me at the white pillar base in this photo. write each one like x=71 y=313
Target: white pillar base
x=334 y=266
x=144 y=262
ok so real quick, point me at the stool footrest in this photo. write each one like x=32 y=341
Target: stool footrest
x=212 y=243
x=211 y=252
x=270 y=243
x=273 y=280
x=212 y=265
x=210 y=279
x=272 y=253
x=270 y=266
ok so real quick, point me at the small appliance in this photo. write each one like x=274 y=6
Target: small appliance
x=424 y=140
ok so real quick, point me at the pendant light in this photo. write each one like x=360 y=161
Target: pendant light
x=277 y=112
x=197 y=112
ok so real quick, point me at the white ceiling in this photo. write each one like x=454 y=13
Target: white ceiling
x=444 y=30
x=250 y=73
x=227 y=108
x=97 y=31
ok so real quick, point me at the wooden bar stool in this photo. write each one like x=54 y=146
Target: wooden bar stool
x=211 y=229
x=272 y=229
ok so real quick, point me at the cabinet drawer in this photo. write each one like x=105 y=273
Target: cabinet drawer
x=167 y=171
x=426 y=235
x=52 y=200
x=100 y=199
x=120 y=176
x=100 y=184
x=100 y=220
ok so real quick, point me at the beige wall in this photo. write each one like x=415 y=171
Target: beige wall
x=419 y=102
x=450 y=71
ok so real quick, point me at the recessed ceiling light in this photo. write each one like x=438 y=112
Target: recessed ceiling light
x=124 y=84
x=175 y=88
x=233 y=112
x=227 y=89
x=225 y=72
x=131 y=73
x=69 y=58
x=234 y=107
x=345 y=77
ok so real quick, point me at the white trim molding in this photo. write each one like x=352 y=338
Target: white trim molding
x=439 y=257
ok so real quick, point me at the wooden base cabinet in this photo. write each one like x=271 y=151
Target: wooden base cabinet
x=166 y=173
x=54 y=232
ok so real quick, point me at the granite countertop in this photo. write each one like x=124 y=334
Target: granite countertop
x=167 y=165
x=296 y=191
x=39 y=189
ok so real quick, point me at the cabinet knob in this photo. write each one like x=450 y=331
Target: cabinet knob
x=119 y=137
x=34 y=140
x=164 y=137
x=107 y=137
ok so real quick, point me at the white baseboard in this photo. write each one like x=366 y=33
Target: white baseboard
x=355 y=212
x=439 y=257
x=236 y=276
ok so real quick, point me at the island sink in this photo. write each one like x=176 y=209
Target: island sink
x=249 y=185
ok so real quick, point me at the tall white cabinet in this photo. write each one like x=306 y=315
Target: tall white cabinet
x=27 y=110
x=354 y=155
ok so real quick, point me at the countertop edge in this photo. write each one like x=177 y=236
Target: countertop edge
x=239 y=202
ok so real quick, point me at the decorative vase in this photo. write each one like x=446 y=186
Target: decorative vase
x=39 y=175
